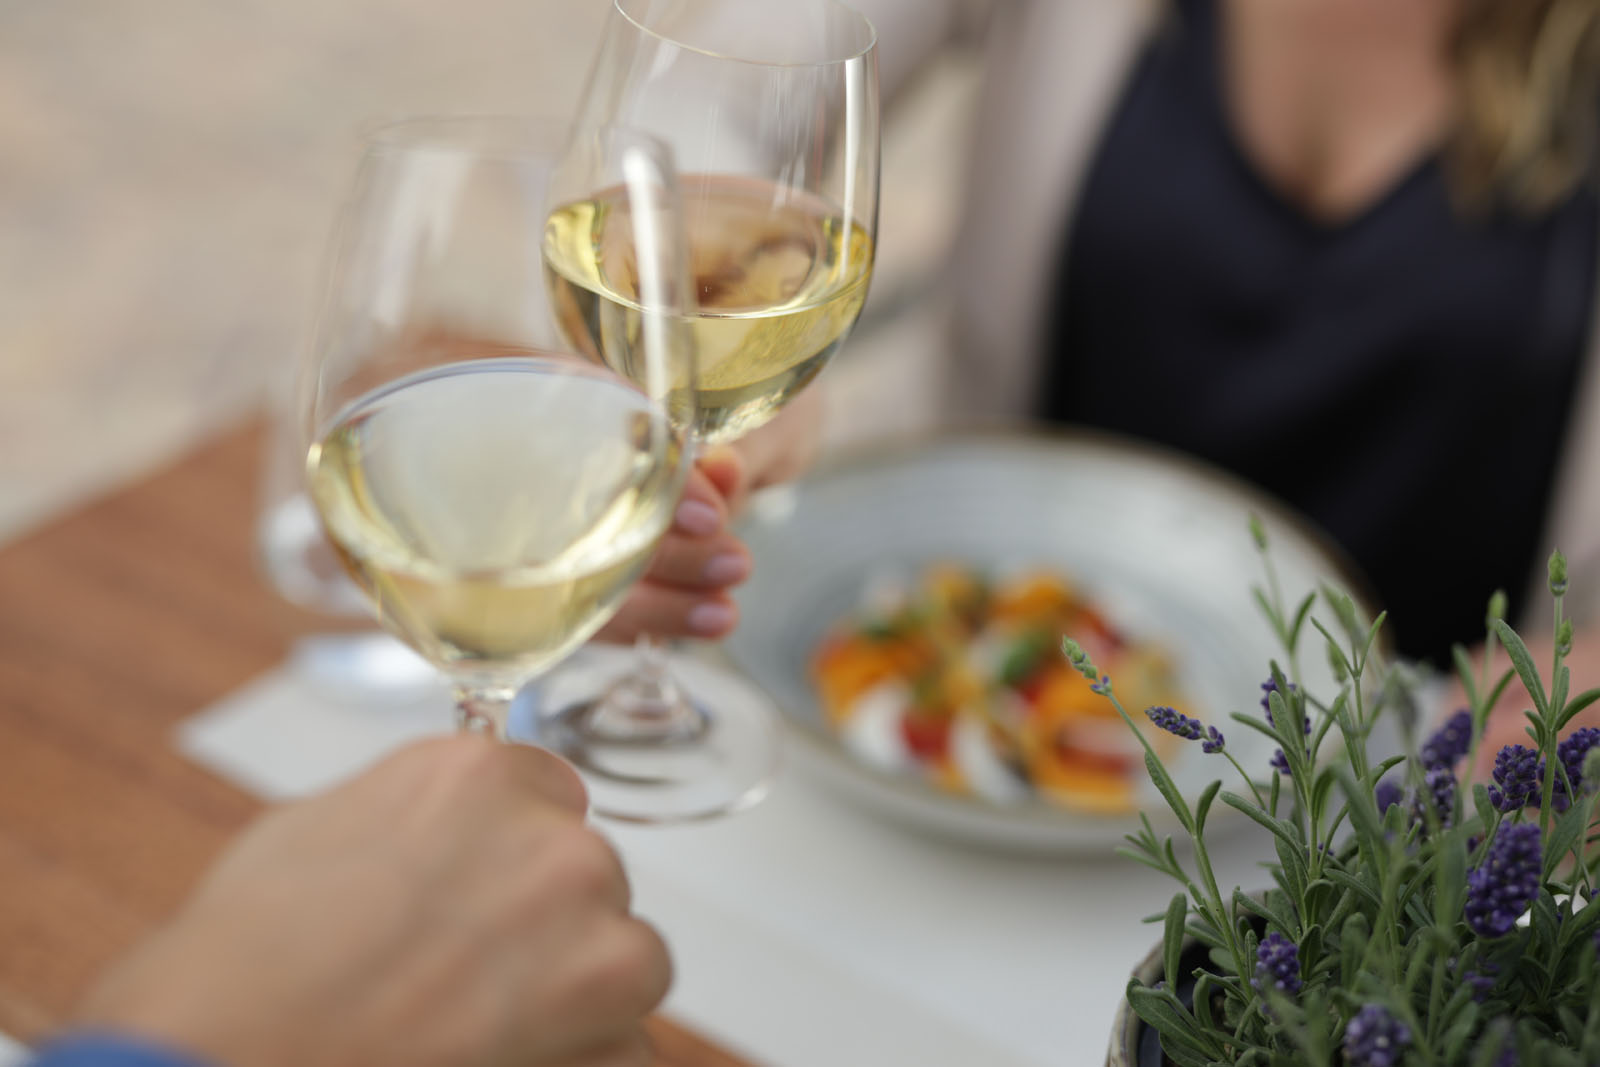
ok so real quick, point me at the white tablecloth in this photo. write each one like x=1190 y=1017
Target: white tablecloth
x=805 y=932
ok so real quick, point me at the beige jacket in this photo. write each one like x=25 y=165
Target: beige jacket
x=1053 y=71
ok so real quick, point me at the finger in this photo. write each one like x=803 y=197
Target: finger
x=548 y=776
x=702 y=511
x=705 y=563
x=624 y=974
x=726 y=470
x=668 y=611
x=653 y=972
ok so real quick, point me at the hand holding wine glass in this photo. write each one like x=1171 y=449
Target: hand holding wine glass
x=771 y=111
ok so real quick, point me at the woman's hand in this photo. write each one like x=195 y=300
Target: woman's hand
x=685 y=593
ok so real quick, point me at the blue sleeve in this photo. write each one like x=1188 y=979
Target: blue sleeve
x=109 y=1050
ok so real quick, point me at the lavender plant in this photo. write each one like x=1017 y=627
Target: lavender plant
x=1412 y=918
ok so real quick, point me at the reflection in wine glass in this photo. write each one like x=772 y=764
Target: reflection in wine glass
x=771 y=111
x=492 y=492
x=357 y=667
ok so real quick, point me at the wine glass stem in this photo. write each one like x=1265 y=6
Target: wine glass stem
x=483 y=710
x=646 y=706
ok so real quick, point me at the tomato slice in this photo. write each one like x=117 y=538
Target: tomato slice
x=927 y=736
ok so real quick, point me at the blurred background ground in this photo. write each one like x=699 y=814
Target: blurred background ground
x=169 y=171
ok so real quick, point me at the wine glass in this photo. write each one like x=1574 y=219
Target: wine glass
x=771 y=111
x=491 y=490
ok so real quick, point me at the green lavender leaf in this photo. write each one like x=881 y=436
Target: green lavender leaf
x=1356 y=885
x=1203 y=806
x=1450 y=880
x=1169 y=791
x=1277 y=827
x=1580 y=928
x=1522 y=659
x=1353 y=937
x=1499 y=687
x=1453 y=1042
x=1300 y=615
x=1576 y=705
x=1562 y=837
x=1172 y=937
x=1280 y=920
x=1178 y=1029
x=1463 y=664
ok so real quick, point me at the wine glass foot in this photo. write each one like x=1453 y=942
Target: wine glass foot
x=648 y=762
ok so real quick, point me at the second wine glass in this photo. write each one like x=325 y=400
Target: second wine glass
x=493 y=491
x=771 y=111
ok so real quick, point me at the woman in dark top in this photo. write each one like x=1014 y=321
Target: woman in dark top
x=1380 y=369
x=1343 y=248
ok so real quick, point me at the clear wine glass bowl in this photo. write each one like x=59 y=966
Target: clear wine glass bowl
x=771 y=112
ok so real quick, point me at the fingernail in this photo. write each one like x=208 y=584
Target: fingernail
x=727 y=568
x=698 y=518
x=710 y=619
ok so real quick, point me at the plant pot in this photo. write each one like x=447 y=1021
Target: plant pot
x=1127 y=1029
x=1133 y=1044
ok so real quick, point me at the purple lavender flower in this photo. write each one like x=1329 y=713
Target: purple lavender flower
x=1480 y=979
x=1515 y=778
x=1437 y=795
x=1280 y=762
x=1269 y=687
x=1277 y=965
x=1175 y=722
x=1450 y=742
x=1374 y=1038
x=1386 y=795
x=1572 y=752
x=1500 y=890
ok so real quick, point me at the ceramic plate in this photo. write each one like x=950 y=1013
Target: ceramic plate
x=1162 y=543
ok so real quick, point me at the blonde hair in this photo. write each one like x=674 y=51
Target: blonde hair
x=1528 y=79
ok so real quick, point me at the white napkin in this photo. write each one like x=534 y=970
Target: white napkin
x=805 y=932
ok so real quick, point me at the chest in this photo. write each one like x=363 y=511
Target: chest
x=1331 y=100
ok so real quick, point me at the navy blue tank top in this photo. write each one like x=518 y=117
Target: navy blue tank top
x=1402 y=377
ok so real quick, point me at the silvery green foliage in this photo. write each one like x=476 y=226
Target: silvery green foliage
x=1450 y=925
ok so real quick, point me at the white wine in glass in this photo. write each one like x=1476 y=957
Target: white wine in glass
x=493 y=491
x=777 y=288
x=497 y=509
x=771 y=112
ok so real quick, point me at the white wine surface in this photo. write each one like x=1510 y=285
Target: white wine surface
x=497 y=510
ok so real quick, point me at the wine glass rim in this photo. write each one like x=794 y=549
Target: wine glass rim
x=622 y=8
x=535 y=360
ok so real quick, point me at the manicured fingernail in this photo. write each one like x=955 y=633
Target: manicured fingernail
x=710 y=619
x=698 y=518
x=727 y=568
